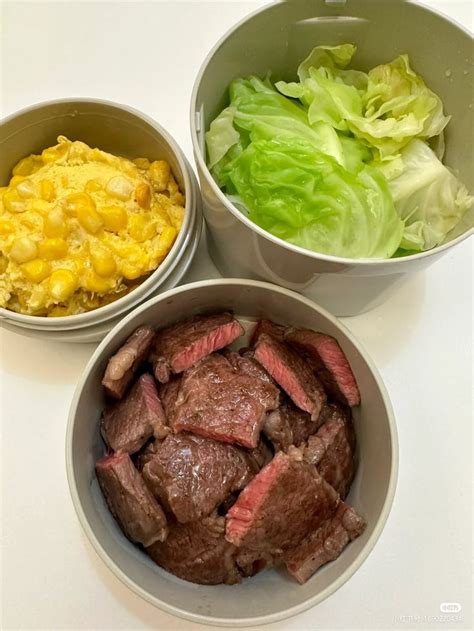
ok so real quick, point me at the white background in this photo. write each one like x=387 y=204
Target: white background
x=147 y=55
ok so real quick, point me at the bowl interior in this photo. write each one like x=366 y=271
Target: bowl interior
x=270 y=595
x=280 y=36
x=98 y=123
x=118 y=130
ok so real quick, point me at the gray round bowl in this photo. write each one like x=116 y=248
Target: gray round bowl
x=270 y=596
x=119 y=130
x=277 y=38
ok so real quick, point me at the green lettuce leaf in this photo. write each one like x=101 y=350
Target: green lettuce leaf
x=303 y=183
x=427 y=196
x=388 y=109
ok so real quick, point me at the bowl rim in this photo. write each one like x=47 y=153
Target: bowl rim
x=255 y=620
x=141 y=291
x=203 y=170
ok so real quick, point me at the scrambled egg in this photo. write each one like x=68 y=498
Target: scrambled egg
x=80 y=228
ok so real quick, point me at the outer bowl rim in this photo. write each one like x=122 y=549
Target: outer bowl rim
x=256 y=620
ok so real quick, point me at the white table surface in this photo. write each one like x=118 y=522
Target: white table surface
x=147 y=55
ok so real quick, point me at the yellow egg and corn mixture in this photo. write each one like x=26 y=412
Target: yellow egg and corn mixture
x=80 y=228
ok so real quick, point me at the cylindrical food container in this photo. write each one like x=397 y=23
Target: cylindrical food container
x=271 y=595
x=277 y=38
x=122 y=131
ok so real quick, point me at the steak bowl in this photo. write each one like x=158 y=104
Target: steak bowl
x=271 y=595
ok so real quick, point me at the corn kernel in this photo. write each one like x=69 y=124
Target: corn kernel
x=6 y=227
x=23 y=250
x=141 y=228
x=103 y=261
x=17 y=179
x=142 y=163
x=130 y=270
x=76 y=201
x=24 y=167
x=54 y=224
x=12 y=202
x=62 y=284
x=93 y=186
x=143 y=195
x=51 y=249
x=48 y=192
x=36 y=270
x=40 y=206
x=97 y=284
x=89 y=219
x=26 y=189
x=114 y=217
x=167 y=238
x=120 y=187
x=37 y=298
x=175 y=194
x=160 y=173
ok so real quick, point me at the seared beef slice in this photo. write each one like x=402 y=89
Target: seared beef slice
x=246 y=364
x=127 y=424
x=292 y=373
x=168 y=393
x=123 y=365
x=182 y=345
x=267 y=327
x=130 y=500
x=282 y=505
x=324 y=544
x=331 y=450
x=288 y=425
x=329 y=362
x=216 y=401
x=193 y=475
x=198 y=552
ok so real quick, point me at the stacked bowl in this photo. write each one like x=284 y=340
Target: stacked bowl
x=121 y=131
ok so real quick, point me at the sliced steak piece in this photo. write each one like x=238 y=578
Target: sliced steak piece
x=292 y=373
x=329 y=362
x=128 y=424
x=193 y=475
x=246 y=364
x=198 y=552
x=324 y=544
x=283 y=504
x=168 y=393
x=267 y=327
x=123 y=365
x=277 y=429
x=182 y=345
x=331 y=450
x=130 y=501
x=216 y=401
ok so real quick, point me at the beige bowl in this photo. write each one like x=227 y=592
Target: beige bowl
x=271 y=595
x=276 y=38
x=119 y=130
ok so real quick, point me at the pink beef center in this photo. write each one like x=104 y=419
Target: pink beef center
x=285 y=377
x=336 y=362
x=219 y=338
x=241 y=516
